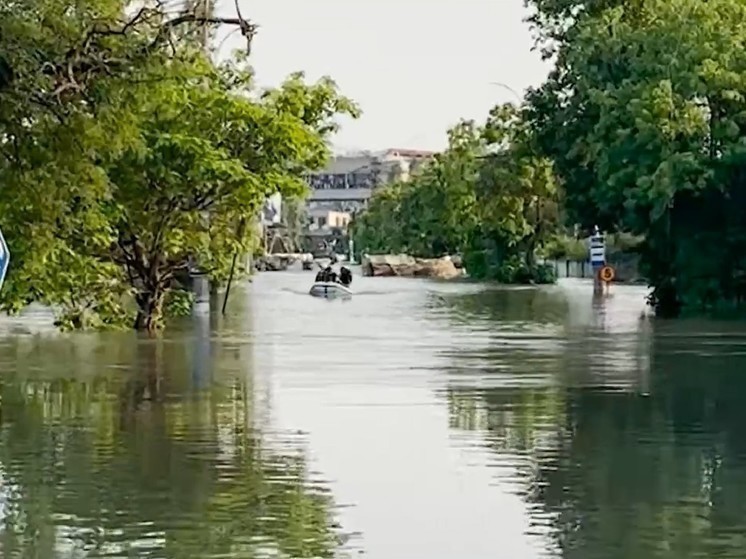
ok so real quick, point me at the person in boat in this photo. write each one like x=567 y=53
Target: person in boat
x=326 y=275
x=345 y=276
x=322 y=274
x=332 y=277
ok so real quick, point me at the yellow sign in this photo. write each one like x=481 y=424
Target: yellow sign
x=606 y=274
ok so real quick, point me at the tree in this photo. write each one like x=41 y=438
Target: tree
x=433 y=213
x=482 y=197
x=517 y=199
x=129 y=156
x=198 y=178
x=644 y=121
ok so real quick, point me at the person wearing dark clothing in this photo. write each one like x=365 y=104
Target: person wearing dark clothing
x=326 y=275
x=345 y=276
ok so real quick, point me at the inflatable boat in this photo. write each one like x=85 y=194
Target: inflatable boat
x=329 y=289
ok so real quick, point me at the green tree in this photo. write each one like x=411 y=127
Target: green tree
x=432 y=214
x=644 y=121
x=517 y=198
x=129 y=156
x=488 y=197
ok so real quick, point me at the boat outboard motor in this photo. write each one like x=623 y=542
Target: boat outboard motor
x=345 y=276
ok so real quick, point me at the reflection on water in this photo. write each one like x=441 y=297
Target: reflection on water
x=422 y=420
x=642 y=459
x=114 y=446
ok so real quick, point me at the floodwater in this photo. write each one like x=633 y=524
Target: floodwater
x=417 y=420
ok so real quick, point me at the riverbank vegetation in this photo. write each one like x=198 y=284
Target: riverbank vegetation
x=127 y=156
x=569 y=247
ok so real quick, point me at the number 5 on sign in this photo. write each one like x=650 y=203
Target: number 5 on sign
x=4 y=259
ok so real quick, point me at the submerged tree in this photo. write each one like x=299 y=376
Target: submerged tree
x=517 y=196
x=643 y=118
x=128 y=155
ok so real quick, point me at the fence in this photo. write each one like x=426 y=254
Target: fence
x=625 y=267
x=571 y=268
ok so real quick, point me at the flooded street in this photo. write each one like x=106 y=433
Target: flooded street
x=417 y=420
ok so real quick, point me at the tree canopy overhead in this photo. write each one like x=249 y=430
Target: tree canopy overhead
x=127 y=156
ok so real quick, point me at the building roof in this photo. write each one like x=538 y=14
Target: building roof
x=362 y=162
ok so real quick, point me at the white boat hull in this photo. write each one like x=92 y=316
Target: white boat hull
x=329 y=289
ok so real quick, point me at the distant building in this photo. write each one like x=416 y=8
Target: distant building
x=322 y=218
x=348 y=181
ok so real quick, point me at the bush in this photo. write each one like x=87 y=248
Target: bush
x=486 y=265
x=564 y=247
x=545 y=274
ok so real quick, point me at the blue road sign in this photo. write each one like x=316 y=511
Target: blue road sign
x=4 y=259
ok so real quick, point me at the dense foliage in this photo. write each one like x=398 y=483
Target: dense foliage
x=644 y=119
x=487 y=197
x=127 y=156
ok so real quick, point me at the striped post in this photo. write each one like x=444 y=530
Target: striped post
x=597 y=255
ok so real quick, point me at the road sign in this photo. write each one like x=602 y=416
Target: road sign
x=597 y=249
x=606 y=274
x=4 y=259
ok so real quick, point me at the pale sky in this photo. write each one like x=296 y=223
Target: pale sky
x=415 y=66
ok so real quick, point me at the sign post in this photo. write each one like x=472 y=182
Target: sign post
x=4 y=259
x=597 y=253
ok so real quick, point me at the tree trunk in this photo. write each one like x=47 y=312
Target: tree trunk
x=214 y=288
x=150 y=310
x=530 y=256
x=665 y=299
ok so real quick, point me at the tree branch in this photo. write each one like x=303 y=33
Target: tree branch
x=165 y=217
x=248 y=29
x=79 y=64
